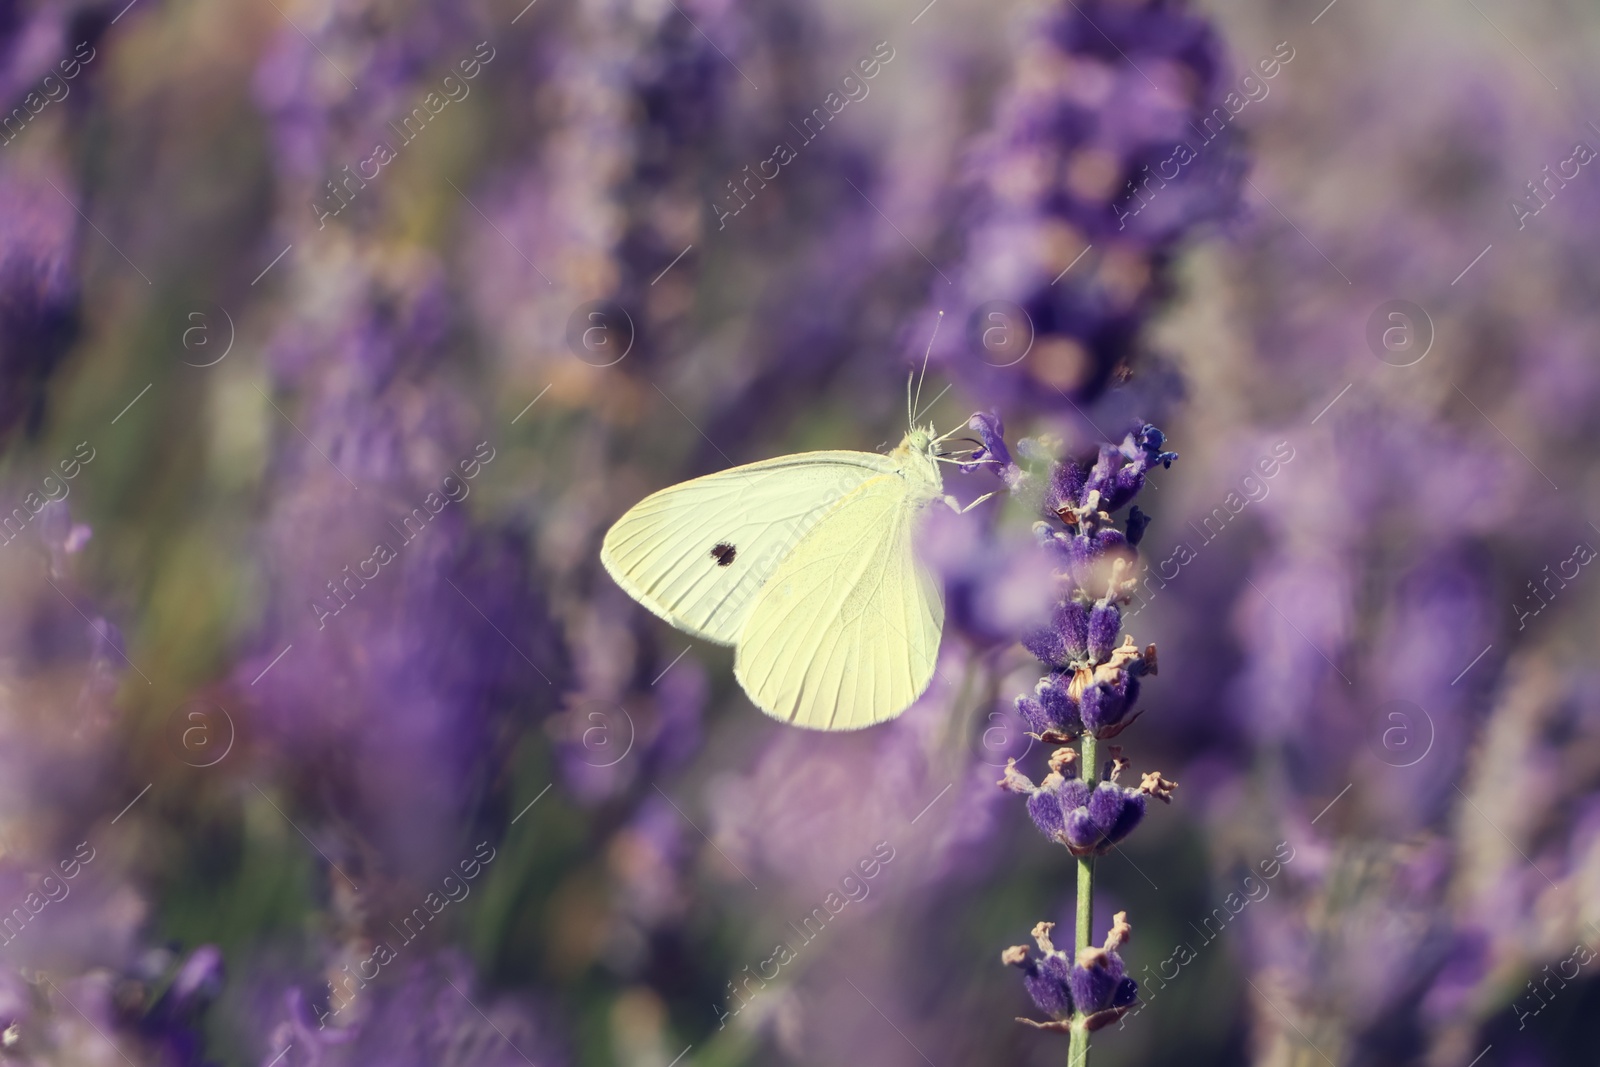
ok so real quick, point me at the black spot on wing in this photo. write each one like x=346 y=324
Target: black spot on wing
x=723 y=553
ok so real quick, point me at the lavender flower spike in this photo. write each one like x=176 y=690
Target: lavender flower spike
x=1088 y=696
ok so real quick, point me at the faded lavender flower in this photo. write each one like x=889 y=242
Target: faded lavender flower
x=1104 y=149
x=39 y=290
x=1460 y=863
x=433 y=1013
x=409 y=653
x=80 y=982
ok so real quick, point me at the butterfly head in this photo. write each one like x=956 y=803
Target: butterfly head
x=919 y=452
x=921 y=441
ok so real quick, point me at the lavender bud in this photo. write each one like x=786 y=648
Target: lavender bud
x=1082 y=834
x=1138 y=522
x=1132 y=813
x=1066 y=486
x=1044 y=808
x=1109 y=540
x=1047 y=979
x=1105 y=806
x=1072 y=622
x=1050 y=987
x=1105 y=626
x=1034 y=714
x=1047 y=646
x=1105 y=704
x=1150 y=440
x=1102 y=475
x=1055 y=700
x=991 y=431
x=1065 y=640
x=1095 y=986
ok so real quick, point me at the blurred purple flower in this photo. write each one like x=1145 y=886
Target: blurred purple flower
x=605 y=746
x=811 y=805
x=38 y=288
x=413 y=633
x=635 y=112
x=306 y=84
x=1104 y=96
x=72 y=892
x=431 y=1013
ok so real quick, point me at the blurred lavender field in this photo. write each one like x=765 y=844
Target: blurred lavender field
x=334 y=336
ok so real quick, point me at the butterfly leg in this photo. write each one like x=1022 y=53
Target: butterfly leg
x=955 y=505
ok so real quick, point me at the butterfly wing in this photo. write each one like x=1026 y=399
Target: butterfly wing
x=846 y=631
x=699 y=552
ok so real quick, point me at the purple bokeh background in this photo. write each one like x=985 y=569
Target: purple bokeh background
x=310 y=441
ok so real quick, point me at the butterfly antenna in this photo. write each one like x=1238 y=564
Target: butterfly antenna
x=952 y=432
x=924 y=374
x=932 y=402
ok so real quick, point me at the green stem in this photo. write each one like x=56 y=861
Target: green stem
x=1089 y=768
x=1078 y=1050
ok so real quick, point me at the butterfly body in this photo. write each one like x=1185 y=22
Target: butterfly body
x=806 y=564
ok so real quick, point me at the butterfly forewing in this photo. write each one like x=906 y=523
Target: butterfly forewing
x=845 y=633
x=698 y=553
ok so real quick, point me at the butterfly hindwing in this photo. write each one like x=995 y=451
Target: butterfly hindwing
x=845 y=633
x=698 y=553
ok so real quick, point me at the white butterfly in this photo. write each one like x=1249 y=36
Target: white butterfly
x=806 y=565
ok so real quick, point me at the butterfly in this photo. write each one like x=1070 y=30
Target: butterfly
x=807 y=566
